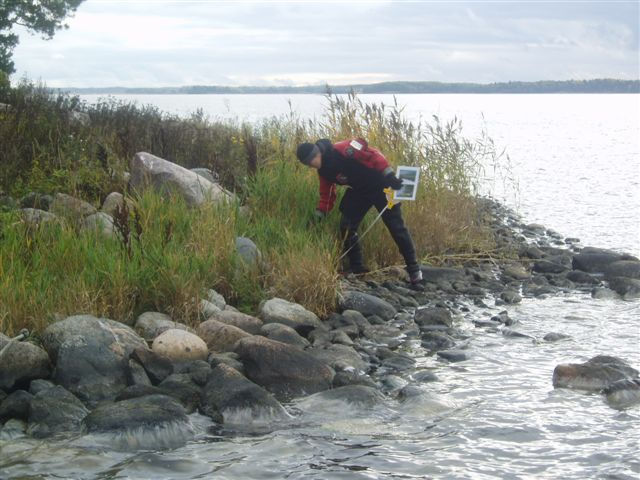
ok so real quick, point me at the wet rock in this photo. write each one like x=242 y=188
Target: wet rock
x=517 y=272
x=230 y=359
x=603 y=293
x=351 y=377
x=156 y=366
x=594 y=260
x=398 y=362
x=507 y=332
x=165 y=177
x=454 y=355
x=392 y=383
x=53 y=411
x=220 y=337
x=290 y=314
x=36 y=200
x=596 y=374
x=504 y=318
x=627 y=288
x=182 y=387
x=16 y=405
x=425 y=376
x=180 y=346
x=623 y=393
x=357 y=319
x=70 y=207
x=578 y=276
x=135 y=391
x=367 y=305
x=622 y=268
x=433 y=316
x=510 y=297
x=283 y=369
x=136 y=374
x=359 y=396
x=34 y=217
x=37 y=386
x=13 y=429
x=434 y=341
x=382 y=333
x=248 y=252
x=555 y=337
x=21 y=362
x=100 y=223
x=150 y=422
x=339 y=357
x=284 y=334
x=151 y=324
x=244 y=322
x=236 y=399
x=549 y=265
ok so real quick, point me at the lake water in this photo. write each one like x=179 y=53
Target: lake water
x=577 y=158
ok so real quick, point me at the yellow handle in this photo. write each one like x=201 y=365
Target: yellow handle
x=390 y=193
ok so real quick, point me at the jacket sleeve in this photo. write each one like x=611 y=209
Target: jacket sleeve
x=378 y=162
x=327 y=195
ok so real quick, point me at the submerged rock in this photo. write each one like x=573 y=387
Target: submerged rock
x=596 y=374
x=166 y=177
x=283 y=369
x=627 y=288
x=453 y=355
x=555 y=337
x=237 y=400
x=151 y=422
x=55 y=410
x=359 y=396
x=623 y=393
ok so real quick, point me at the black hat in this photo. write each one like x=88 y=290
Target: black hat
x=306 y=152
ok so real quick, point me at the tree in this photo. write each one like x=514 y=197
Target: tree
x=38 y=16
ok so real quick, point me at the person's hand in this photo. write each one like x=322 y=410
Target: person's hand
x=394 y=182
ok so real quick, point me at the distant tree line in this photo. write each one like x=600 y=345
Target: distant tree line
x=604 y=85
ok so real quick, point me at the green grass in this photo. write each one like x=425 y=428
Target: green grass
x=172 y=253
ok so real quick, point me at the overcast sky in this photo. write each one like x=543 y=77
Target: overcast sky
x=169 y=43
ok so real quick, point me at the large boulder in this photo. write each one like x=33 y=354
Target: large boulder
x=284 y=334
x=593 y=260
x=55 y=410
x=113 y=202
x=150 y=171
x=622 y=268
x=91 y=355
x=219 y=336
x=293 y=315
x=367 y=305
x=230 y=395
x=627 y=288
x=182 y=387
x=283 y=369
x=180 y=346
x=34 y=217
x=151 y=324
x=594 y=375
x=149 y=422
x=70 y=207
x=21 y=362
x=244 y=322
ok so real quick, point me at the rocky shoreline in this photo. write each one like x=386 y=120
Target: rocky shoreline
x=136 y=385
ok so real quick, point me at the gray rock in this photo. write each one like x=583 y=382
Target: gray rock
x=555 y=337
x=14 y=428
x=151 y=324
x=220 y=337
x=199 y=371
x=622 y=268
x=244 y=322
x=53 y=411
x=136 y=391
x=206 y=173
x=382 y=333
x=37 y=386
x=357 y=319
x=21 y=362
x=627 y=288
x=367 y=305
x=578 y=276
x=351 y=377
x=436 y=274
x=517 y=272
x=248 y=252
x=603 y=293
x=230 y=395
x=101 y=223
x=453 y=355
x=217 y=299
x=182 y=387
x=70 y=207
x=113 y=202
x=510 y=297
x=208 y=309
x=230 y=359
x=507 y=332
x=293 y=315
x=16 y=405
x=549 y=266
x=594 y=261
x=433 y=316
x=339 y=357
x=282 y=369
x=434 y=341
x=284 y=334
x=36 y=200
x=594 y=375
x=157 y=367
x=151 y=422
x=341 y=337
x=165 y=177
x=34 y=217
x=425 y=376
x=360 y=396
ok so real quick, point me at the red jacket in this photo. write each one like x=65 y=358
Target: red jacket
x=364 y=154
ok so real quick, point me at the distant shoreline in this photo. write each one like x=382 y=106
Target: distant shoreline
x=542 y=87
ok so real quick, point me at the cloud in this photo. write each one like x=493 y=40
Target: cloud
x=154 y=43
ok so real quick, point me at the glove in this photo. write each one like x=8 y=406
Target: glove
x=394 y=182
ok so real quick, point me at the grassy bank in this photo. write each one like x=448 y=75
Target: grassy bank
x=174 y=254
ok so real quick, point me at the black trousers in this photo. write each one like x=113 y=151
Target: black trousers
x=354 y=207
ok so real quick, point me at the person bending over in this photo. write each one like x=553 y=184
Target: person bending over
x=366 y=173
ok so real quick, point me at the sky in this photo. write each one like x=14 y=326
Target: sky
x=155 y=43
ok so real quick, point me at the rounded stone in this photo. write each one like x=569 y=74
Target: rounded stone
x=180 y=345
